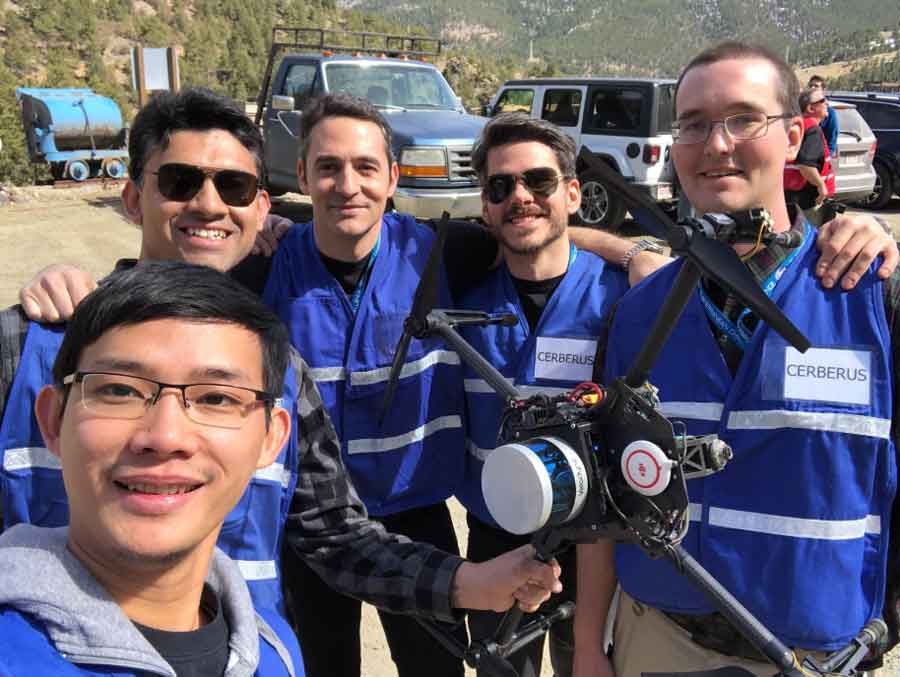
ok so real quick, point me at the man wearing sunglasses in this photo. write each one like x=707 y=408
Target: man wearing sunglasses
x=560 y=297
x=798 y=524
x=809 y=179
x=176 y=140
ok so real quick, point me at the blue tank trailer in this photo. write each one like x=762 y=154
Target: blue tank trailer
x=79 y=133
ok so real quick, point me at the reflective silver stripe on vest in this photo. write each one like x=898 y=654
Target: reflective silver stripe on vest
x=30 y=457
x=695 y=512
x=274 y=473
x=257 y=570
x=476 y=451
x=853 y=424
x=795 y=527
x=479 y=385
x=376 y=444
x=700 y=411
x=326 y=374
x=367 y=378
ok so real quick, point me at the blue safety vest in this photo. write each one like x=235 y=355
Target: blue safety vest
x=32 y=490
x=415 y=457
x=796 y=526
x=554 y=359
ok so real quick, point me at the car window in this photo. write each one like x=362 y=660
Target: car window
x=665 y=108
x=882 y=115
x=514 y=100
x=562 y=106
x=849 y=120
x=298 y=83
x=615 y=111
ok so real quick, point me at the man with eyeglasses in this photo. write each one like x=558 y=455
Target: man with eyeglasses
x=809 y=179
x=161 y=409
x=195 y=157
x=796 y=526
x=560 y=297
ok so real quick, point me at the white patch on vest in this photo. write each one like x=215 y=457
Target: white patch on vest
x=562 y=359
x=257 y=570
x=23 y=458
x=828 y=375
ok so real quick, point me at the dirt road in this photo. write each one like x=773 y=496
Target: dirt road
x=84 y=226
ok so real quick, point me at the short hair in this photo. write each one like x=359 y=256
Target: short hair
x=195 y=109
x=518 y=127
x=341 y=105
x=787 y=89
x=157 y=290
x=806 y=98
x=816 y=81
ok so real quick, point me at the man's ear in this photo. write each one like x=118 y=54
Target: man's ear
x=301 y=177
x=795 y=137
x=276 y=436
x=48 y=409
x=131 y=202
x=263 y=205
x=573 y=196
x=395 y=177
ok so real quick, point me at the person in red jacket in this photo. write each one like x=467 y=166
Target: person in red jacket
x=809 y=179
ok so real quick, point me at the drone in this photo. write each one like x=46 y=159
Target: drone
x=593 y=446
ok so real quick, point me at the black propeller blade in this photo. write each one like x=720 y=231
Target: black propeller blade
x=715 y=259
x=423 y=302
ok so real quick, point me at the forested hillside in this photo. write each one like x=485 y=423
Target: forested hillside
x=224 y=43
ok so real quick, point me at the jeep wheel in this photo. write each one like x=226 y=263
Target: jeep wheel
x=883 y=190
x=599 y=208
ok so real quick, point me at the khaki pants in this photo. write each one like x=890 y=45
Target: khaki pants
x=646 y=640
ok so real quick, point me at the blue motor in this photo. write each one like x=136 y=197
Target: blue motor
x=80 y=133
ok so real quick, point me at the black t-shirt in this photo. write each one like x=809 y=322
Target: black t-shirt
x=198 y=653
x=469 y=253
x=347 y=273
x=811 y=154
x=534 y=294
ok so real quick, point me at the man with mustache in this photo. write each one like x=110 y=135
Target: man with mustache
x=560 y=297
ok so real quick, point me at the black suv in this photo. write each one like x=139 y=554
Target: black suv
x=882 y=112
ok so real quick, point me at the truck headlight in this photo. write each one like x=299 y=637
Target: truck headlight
x=423 y=163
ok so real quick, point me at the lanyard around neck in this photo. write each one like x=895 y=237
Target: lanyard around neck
x=737 y=331
x=356 y=296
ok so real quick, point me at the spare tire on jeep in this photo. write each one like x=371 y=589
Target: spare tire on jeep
x=600 y=207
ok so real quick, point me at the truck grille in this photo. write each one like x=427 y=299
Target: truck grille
x=461 y=164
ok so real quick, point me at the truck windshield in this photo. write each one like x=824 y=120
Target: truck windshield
x=392 y=86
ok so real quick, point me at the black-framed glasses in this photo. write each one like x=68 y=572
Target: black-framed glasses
x=740 y=127
x=181 y=182
x=540 y=182
x=112 y=395
x=820 y=101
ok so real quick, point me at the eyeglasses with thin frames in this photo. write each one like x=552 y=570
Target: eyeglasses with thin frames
x=124 y=396
x=541 y=182
x=740 y=127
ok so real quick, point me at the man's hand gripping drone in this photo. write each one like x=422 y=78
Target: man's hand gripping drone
x=602 y=461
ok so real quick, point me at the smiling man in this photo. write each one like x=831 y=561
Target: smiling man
x=163 y=407
x=798 y=525
x=560 y=297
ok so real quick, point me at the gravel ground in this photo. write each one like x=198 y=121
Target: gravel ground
x=84 y=226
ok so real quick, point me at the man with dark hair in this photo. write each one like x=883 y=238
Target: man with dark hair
x=809 y=179
x=560 y=296
x=830 y=126
x=134 y=584
x=796 y=525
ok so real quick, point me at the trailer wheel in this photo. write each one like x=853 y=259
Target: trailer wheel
x=77 y=170
x=114 y=168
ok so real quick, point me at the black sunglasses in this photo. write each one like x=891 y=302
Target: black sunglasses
x=540 y=182
x=182 y=182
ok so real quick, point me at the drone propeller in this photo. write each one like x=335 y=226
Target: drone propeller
x=715 y=259
x=425 y=299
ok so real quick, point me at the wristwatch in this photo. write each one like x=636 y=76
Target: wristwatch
x=641 y=246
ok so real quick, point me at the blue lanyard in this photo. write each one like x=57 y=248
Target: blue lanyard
x=356 y=296
x=573 y=252
x=738 y=332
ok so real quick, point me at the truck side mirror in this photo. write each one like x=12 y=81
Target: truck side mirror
x=486 y=110
x=285 y=103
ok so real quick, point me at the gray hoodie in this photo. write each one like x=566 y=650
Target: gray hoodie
x=40 y=577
